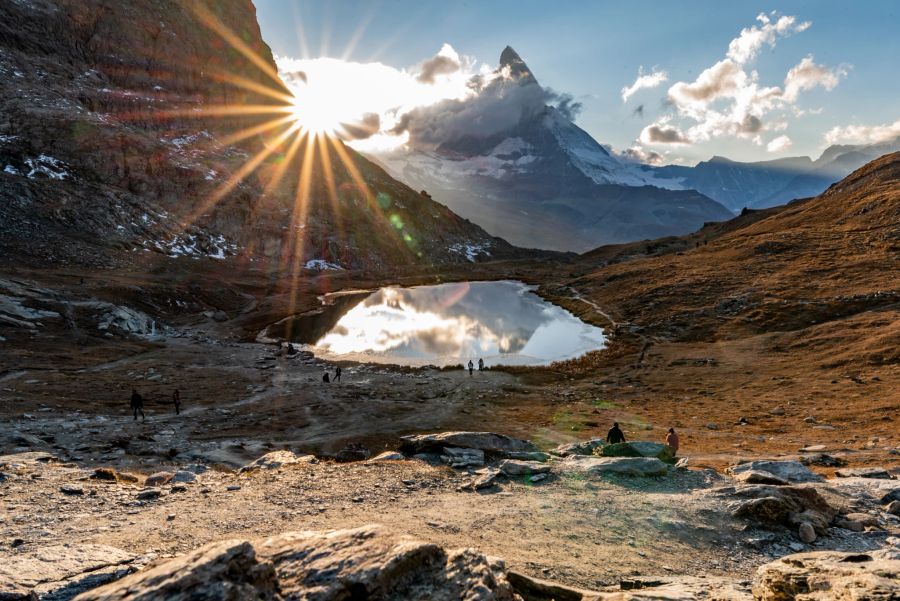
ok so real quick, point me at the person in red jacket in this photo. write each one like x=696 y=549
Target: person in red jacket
x=672 y=441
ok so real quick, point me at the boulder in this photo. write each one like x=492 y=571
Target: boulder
x=275 y=460
x=828 y=575
x=893 y=495
x=627 y=466
x=583 y=447
x=784 y=505
x=459 y=457
x=158 y=479
x=822 y=460
x=893 y=508
x=362 y=563
x=791 y=471
x=387 y=456
x=515 y=467
x=759 y=477
x=106 y=474
x=352 y=452
x=806 y=533
x=61 y=571
x=867 y=520
x=864 y=472
x=531 y=456
x=183 y=477
x=489 y=442
x=484 y=478
x=637 y=449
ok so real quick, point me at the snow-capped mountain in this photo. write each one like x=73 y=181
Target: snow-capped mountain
x=769 y=183
x=543 y=181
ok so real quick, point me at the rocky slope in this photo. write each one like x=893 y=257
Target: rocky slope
x=113 y=145
x=543 y=181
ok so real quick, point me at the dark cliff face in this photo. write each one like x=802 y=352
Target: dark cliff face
x=103 y=157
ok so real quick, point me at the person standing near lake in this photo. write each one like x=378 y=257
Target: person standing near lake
x=337 y=374
x=471 y=367
x=137 y=405
x=615 y=435
x=672 y=441
x=176 y=400
x=480 y=364
x=326 y=378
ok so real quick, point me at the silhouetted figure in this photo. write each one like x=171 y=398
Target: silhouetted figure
x=337 y=374
x=471 y=367
x=137 y=405
x=480 y=364
x=672 y=441
x=326 y=378
x=291 y=350
x=615 y=434
x=176 y=400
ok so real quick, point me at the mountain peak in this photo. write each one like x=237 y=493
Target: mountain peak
x=517 y=67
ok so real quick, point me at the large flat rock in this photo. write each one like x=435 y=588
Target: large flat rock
x=638 y=449
x=790 y=471
x=628 y=466
x=489 y=442
x=828 y=576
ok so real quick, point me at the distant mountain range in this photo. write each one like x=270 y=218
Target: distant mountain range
x=769 y=183
x=543 y=181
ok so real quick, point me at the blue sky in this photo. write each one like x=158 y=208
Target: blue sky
x=593 y=49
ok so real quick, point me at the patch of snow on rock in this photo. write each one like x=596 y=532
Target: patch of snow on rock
x=46 y=166
x=321 y=265
x=471 y=250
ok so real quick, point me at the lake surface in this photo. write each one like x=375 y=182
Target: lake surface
x=504 y=323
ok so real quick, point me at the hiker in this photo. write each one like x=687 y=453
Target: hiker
x=615 y=434
x=480 y=364
x=176 y=400
x=325 y=378
x=471 y=367
x=291 y=350
x=672 y=441
x=137 y=405
x=337 y=374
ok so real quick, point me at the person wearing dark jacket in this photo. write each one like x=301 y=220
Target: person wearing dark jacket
x=615 y=434
x=137 y=405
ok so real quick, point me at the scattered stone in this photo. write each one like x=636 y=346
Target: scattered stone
x=489 y=442
x=867 y=520
x=233 y=487
x=849 y=525
x=149 y=495
x=195 y=468
x=628 y=466
x=220 y=316
x=824 y=575
x=538 y=477
x=485 y=478
x=864 y=472
x=178 y=488
x=71 y=489
x=158 y=479
x=183 y=477
x=816 y=448
x=275 y=460
x=126 y=477
x=528 y=456
x=170 y=517
x=637 y=449
x=712 y=426
x=760 y=477
x=106 y=474
x=585 y=447
x=682 y=464
x=893 y=495
x=388 y=456
x=807 y=533
x=352 y=452
x=809 y=419
x=792 y=471
x=515 y=467
x=822 y=460
x=893 y=508
x=777 y=411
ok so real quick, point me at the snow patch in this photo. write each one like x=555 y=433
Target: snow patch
x=196 y=246
x=321 y=265
x=471 y=250
x=46 y=166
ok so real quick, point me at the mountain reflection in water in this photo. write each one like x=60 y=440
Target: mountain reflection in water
x=500 y=322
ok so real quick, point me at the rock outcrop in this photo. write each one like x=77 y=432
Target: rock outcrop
x=789 y=471
x=363 y=563
x=829 y=576
x=490 y=443
x=637 y=449
x=625 y=466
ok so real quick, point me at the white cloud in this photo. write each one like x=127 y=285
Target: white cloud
x=746 y=46
x=807 y=75
x=863 y=134
x=644 y=81
x=639 y=154
x=779 y=144
x=727 y=99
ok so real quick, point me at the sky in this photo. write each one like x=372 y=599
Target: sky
x=665 y=82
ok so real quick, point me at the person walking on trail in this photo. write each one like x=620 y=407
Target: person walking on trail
x=480 y=364
x=471 y=367
x=337 y=374
x=672 y=441
x=176 y=400
x=137 y=405
x=615 y=434
x=325 y=378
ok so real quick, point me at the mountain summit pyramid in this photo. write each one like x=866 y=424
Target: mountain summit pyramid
x=518 y=70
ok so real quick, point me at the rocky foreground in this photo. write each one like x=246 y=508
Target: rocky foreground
x=587 y=521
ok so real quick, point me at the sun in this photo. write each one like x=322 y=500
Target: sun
x=315 y=113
